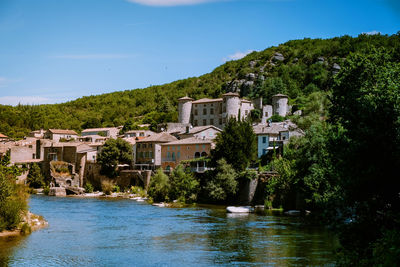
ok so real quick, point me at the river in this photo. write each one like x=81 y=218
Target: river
x=123 y=232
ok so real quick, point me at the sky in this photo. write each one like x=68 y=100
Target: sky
x=56 y=51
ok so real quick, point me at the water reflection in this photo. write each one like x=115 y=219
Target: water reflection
x=87 y=232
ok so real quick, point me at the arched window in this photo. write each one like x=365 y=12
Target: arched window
x=203 y=154
x=69 y=182
x=197 y=155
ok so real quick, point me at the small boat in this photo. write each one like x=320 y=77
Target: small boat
x=241 y=209
x=293 y=212
x=161 y=205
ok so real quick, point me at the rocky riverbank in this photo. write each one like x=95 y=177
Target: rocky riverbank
x=30 y=222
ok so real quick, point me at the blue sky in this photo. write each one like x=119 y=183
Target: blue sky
x=55 y=51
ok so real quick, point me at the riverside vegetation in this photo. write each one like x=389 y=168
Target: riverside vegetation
x=344 y=170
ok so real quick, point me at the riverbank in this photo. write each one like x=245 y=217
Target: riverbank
x=30 y=223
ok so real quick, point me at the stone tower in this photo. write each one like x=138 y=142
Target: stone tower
x=280 y=104
x=184 y=109
x=232 y=102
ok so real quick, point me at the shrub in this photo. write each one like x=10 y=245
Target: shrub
x=116 y=189
x=137 y=190
x=159 y=186
x=107 y=187
x=277 y=118
x=26 y=229
x=46 y=190
x=184 y=185
x=35 y=178
x=88 y=187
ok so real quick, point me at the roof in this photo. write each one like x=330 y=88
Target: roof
x=265 y=129
x=280 y=95
x=3 y=136
x=138 y=131
x=61 y=131
x=231 y=94
x=98 y=129
x=246 y=101
x=198 y=129
x=207 y=100
x=185 y=98
x=188 y=141
x=160 y=137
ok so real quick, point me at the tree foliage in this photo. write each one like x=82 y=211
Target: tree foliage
x=160 y=186
x=114 y=152
x=184 y=185
x=35 y=177
x=236 y=144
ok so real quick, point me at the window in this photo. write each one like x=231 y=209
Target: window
x=133 y=134
x=204 y=146
x=211 y=121
x=264 y=139
x=211 y=111
x=33 y=156
x=173 y=155
x=150 y=145
x=220 y=121
x=195 y=112
x=178 y=147
x=146 y=154
x=151 y=154
x=246 y=112
x=197 y=155
x=204 y=122
x=195 y=122
x=204 y=111
x=178 y=154
x=30 y=146
x=144 y=145
x=266 y=114
x=138 y=145
x=141 y=134
x=168 y=155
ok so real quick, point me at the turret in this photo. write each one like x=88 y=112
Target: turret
x=232 y=102
x=184 y=109
x=280 y=104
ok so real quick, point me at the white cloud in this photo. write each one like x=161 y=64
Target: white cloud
x=25 y=100
x=94 y=56
x=372 y=32
x=237 y=55
x=170 y=2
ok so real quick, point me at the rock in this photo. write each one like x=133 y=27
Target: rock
x=241 y=209
x=250 y=76
x=278 y=57
x=261 y=77
x=295 y=60
x=297 y=112
x=57 y=191
x=336 y=66
x=293 y=212
x=252 y=63
x=161 y=205
x=320 y=60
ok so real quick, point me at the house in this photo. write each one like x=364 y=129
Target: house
x=59 y=134
x=138 y=133
x=200 y=132
x=174 y=152
x=4 y=138
x=110 y=132
x=92 y=139
x=148 y=150
x=37 y=134
x=270 y=137
x=28 y=150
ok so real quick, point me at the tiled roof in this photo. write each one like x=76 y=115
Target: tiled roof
x=280 y=95
x=207 y=100
x=185 y=98
x=188 y=141
x=201 y=128
x=98 y=129
x=3 y=136
x=160 y=137
x=265 y=129
x=61 y=131
x=231 y=94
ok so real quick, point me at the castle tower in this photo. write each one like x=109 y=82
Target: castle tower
x=232 y=102
x=184 y=109
x=280 y=104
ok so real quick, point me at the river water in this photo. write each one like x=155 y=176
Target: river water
x=123 y=232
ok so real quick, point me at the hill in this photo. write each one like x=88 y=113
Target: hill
x=297 y=68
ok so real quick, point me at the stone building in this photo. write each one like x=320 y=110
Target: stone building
x=217 y=111
x=270 y=137
x=57 y=134
x=110 y=132
x=138 y=133
x=201 y=132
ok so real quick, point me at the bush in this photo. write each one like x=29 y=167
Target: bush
x=277 y=118
x=35 y=178
x=222 y=184
x=46 y=190
x=137 y=190
x=116 y=189
x=107 y=187
x=159 y=186
x=184 y=185
x=88 y=187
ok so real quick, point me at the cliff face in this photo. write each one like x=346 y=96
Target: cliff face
x=296 y=68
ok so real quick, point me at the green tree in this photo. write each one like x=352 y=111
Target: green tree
x=236 y=144
x=13 y=198
x=35 y=177
x=114 y=152
x=223 y=184
x=184 y=186
x=160 y=186
x=365 y=152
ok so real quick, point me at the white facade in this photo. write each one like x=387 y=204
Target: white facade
x=280 y=104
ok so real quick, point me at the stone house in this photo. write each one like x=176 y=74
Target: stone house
x=4 y=138
x=138 y=133
x=110 y=132
x=148 y=150
x=57 y=134
x=174 y=152
x=270 y=138
x=200 y=132
x=28 y=150
x=37 y=134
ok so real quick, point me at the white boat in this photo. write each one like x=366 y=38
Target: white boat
x=241 y=209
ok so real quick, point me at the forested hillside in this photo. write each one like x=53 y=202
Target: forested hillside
x=297 y=68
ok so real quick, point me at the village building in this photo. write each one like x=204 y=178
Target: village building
x=200 y=132
x=270 y=137
x=138 y=133
x=4 y=138
x=92 y=139
x=37 y=134
x=60 y=135
x=110 y=132
x=217 y=111
x=174 y=152
x=148 y=150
